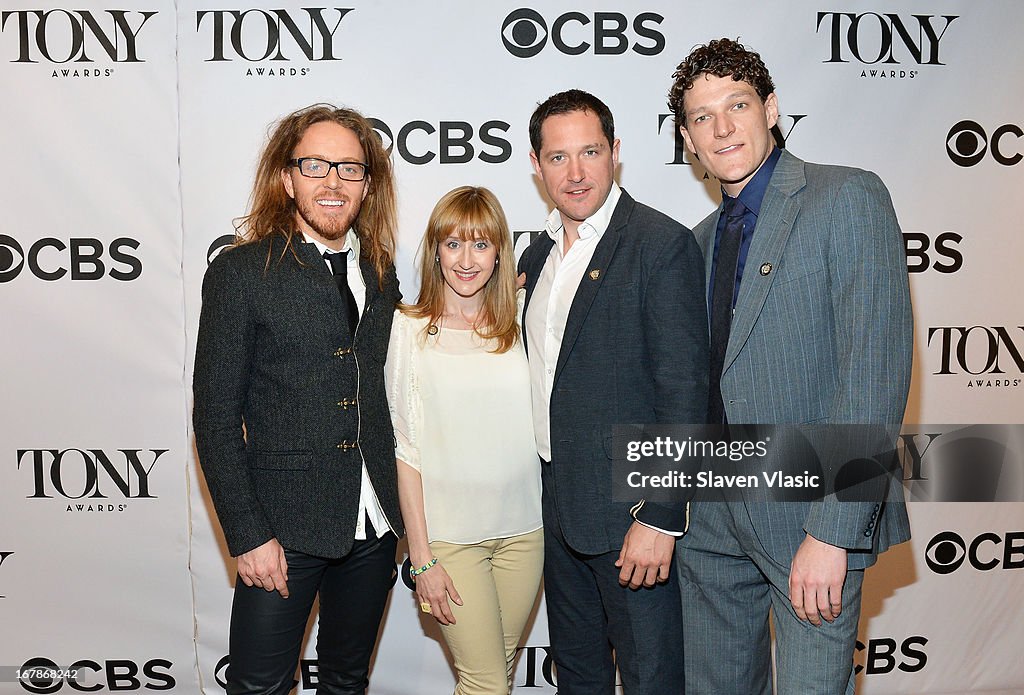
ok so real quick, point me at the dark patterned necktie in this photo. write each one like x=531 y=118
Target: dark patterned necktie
x=339 y=267
x=722 y=302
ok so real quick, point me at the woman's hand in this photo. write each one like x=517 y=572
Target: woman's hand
x=435 y=587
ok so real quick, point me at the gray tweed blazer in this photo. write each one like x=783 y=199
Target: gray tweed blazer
x=286 y=411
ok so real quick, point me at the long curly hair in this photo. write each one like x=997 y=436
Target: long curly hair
x=272 y=210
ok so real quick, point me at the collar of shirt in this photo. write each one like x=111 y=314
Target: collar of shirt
x=753 y=193
x=354 y=274
x=351 y=243
x=593 y=226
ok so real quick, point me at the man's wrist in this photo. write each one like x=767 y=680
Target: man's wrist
x=675 y=534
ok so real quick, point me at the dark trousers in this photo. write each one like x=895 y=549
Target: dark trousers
x=267 y=630
x=589 y=613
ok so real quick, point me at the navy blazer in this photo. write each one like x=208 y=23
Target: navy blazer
x=634 y=351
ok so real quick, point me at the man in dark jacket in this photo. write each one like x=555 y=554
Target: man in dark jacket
x=291 y=420
x=616 y=328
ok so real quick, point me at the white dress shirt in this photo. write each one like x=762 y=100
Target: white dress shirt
x=549 y=306
x=549 y=309
x=369 y=506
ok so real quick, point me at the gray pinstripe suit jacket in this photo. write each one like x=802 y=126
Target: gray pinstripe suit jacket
x=823 y=336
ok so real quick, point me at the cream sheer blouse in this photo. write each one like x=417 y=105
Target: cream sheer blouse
x=462 y=418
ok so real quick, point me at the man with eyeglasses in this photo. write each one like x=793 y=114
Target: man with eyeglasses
x=291 y=419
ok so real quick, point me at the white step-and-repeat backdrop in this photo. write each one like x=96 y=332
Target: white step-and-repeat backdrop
x=130 y=133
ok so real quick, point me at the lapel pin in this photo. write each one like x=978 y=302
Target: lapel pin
x=766 y=268
x=595 y=274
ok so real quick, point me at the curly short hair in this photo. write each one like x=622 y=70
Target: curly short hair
x=721 y=58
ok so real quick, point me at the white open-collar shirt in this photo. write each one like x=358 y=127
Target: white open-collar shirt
x=549 y=306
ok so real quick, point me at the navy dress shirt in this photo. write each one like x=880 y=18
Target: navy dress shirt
x=750 y=197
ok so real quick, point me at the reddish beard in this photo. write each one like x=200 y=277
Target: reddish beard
x=329 y=226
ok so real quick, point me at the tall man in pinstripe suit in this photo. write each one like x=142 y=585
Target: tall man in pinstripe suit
x=810 y=315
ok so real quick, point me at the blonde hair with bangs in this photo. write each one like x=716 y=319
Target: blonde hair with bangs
x=467 y=213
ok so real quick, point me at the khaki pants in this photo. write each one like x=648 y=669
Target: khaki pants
x=498 y=582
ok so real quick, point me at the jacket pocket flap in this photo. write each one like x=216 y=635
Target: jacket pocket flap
x=281 y=460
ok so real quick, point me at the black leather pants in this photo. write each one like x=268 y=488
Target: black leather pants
x=267 y=630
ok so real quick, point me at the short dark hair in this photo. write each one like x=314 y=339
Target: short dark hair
x=569 y=102
x=721 y=58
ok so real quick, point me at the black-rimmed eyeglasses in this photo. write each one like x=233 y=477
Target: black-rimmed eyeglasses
x=316 y=168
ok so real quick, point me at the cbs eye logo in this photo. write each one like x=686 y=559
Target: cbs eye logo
x=81 y=258
x=448 y=142
x=947 y=551
x=967 y=144
x=12 y=258
x=521 y=33
x=525 y=33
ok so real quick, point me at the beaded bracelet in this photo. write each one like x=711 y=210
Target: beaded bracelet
x=415 y=573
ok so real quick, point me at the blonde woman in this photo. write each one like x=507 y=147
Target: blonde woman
x=468 y=472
